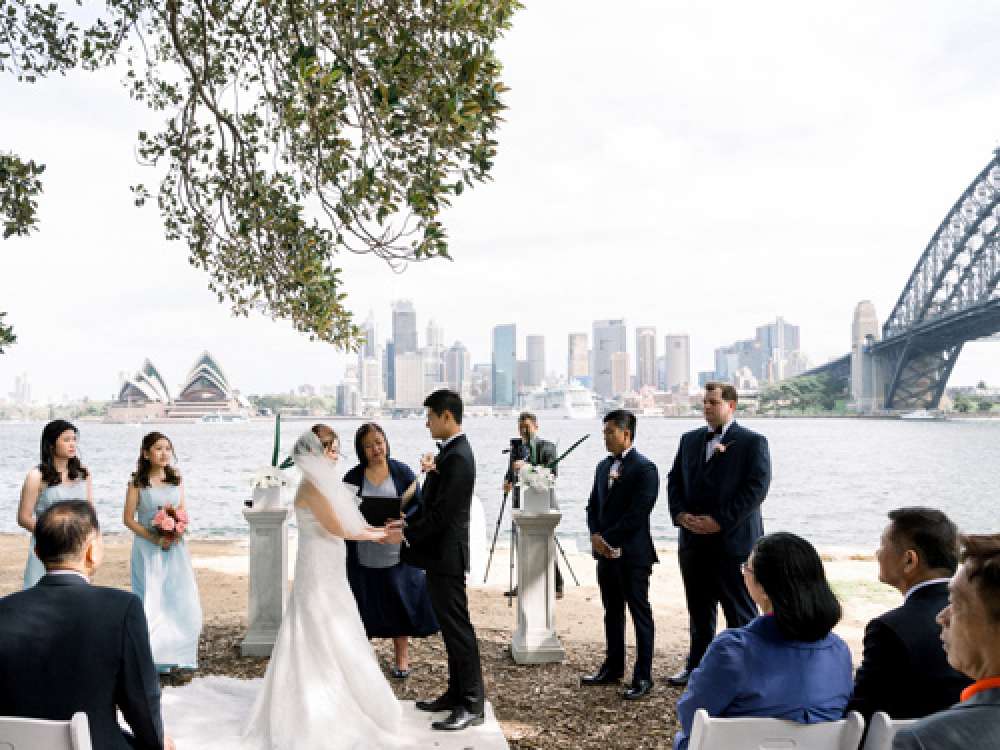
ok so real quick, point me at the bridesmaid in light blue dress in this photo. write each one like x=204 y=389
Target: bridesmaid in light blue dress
x=162 y=575
x=58 y=477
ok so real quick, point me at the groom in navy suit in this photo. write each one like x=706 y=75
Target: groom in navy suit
x=718 y=481
x=625 y=488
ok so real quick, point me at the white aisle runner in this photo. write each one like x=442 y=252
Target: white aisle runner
x=209 y=712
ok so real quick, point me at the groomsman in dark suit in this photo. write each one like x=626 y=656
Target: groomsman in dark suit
x=626 y=484
x=718 y=481
x=904 y=670
x=68 y=646
x=437 y=540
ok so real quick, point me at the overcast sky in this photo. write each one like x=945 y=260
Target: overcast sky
x=697 y=166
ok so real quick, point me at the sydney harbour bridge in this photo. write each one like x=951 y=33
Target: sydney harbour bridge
x=951 y=297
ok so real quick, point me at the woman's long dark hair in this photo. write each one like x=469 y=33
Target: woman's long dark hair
x=50 y=474
x=140 y=477
x=364 y=431
x=789 y=570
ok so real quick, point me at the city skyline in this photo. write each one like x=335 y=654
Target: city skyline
x=718 y=194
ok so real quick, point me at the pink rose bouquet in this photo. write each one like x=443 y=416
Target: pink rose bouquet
x=170 y=522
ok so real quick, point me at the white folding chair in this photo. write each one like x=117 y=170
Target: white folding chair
x=774 y=734
x=33 y=734
x=882 y=729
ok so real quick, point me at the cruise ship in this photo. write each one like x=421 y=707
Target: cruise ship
x=571 y=401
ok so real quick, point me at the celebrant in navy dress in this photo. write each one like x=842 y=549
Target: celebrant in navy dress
x=392 y=596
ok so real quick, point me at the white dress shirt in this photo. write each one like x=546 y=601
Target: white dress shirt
x=711 y=444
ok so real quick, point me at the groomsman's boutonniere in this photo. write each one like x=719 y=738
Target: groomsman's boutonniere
x=721 y=448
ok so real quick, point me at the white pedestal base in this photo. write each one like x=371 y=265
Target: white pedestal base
x=535 y=640
x=268 y=579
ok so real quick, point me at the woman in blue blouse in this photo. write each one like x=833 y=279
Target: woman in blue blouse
x=392 y=596
x=785 y=664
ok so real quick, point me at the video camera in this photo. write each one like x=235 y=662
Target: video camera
x=516 y=449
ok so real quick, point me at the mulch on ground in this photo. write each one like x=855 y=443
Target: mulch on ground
x=539 y=707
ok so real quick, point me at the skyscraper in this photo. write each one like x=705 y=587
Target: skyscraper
x=404 y=327
x=609 y=338
x=677 y=350
x=535 y=350
x=645 y=355
x=620 y=375
x=778 y=337
x=504 y=364
x=458 y=368
x=435 y=336
x=578 y=361
x=370 y=347
x=410 y=390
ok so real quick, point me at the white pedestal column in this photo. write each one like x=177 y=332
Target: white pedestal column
x=535 y=640
x=268 y=578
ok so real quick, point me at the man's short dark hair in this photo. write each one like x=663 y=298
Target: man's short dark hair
x=623 y=419
x=63 y=529
x=529 y=416
x=928 y=531
x=981 y=558
x=444 y=400
x=728 y=390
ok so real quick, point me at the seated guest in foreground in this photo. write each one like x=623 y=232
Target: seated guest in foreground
x=68 y=646
x=904 y=671
x=392 y=596
x=785 y=664
x=970 y=630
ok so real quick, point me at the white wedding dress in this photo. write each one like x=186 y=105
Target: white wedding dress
x=323 y=687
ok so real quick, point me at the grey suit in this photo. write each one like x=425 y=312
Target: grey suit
x=973 y=723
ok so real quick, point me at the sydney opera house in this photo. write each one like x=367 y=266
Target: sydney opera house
x=205 y=396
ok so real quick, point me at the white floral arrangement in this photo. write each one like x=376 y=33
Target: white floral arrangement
x=269 y=476
x=536 y=477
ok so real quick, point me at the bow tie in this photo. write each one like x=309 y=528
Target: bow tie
x=711 y=435
x=439 y=444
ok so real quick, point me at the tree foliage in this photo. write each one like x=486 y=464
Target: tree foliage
x=295 y=131
x=7 y=337
x=810 y=393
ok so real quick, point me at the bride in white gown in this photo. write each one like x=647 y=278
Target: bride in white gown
x=323 y=687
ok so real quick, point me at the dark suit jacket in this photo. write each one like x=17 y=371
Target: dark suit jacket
x=620 y=513
x=438 y=534
x=904 y=670
x=971 y=725
x=545 y=453
x=730 y=488
x=67 y=646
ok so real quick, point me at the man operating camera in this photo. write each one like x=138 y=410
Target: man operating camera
x=537 y=452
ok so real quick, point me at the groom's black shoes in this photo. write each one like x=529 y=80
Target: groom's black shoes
x=460 y=718
x=603 y=677
x=444 y=703
x=639 y=689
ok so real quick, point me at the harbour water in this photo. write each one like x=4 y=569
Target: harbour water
x=834 y=479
